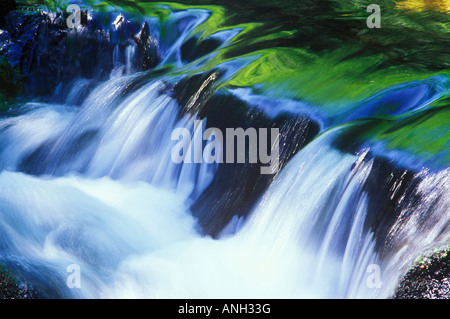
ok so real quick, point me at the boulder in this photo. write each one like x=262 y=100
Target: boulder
x=429 y=278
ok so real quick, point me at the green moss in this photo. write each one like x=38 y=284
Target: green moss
x=424 y=135
x=342 y=66
x=10 y=84
x=321 y=52
x=49 y=5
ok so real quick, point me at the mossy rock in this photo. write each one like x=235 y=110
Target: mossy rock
x=11 y=288
x=429 y=278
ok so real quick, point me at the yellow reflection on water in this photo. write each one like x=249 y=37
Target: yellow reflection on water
x=423 y=5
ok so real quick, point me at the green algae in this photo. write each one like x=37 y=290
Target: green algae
x=322 y=53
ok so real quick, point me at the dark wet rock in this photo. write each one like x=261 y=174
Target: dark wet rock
x=389 y=188
x=236 y=187
x=10 y=83
x=20 y=32
x=5 y=7
x=193 y=48
x=147 y=55
x=11 y=288
x=429 y=278
x=47 y=53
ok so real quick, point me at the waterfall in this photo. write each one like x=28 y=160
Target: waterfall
x=314 y=212
x=123 y=139
x=119 y=207
x=305 y=238
x=422 y=226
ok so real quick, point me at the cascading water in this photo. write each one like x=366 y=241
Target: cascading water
x=87 y=178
